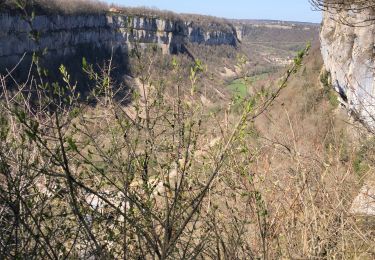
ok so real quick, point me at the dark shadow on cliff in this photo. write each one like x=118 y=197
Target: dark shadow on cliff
x=49 y=64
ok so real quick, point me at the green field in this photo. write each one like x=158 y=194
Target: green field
x=238 y=88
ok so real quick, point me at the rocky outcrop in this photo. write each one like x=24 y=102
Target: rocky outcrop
x=61 y=35
x=347 y=46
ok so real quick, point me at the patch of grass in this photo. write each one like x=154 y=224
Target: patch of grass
x=360 y=167
x=332 y=98
x=238 y=88
x=363 y=157
x=329 y=92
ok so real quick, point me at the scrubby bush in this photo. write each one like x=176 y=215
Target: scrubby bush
x=59 y=6
x=97 y=6
x=203 y=21
x=365 y=10
x=162 y=178
x=140 y=181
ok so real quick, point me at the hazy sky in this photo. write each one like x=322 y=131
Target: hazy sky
x=290 y=10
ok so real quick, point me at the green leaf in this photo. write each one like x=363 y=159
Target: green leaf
x=84 y=64
x=72 y=145
x=64 y=73
x=21 y=115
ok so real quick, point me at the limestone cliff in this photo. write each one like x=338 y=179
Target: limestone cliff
x=347 y=46
x=61 y=35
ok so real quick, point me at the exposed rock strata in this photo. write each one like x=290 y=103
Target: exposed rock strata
x=348 y=53
x=62 y=35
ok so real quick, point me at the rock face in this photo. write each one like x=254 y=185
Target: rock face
x=62 y=35
x=364 y=203
x=348 y=53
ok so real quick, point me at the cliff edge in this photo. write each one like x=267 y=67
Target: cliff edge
x=347 y=46
x=61 y=34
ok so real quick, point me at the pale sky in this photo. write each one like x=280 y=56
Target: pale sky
x=288 y=10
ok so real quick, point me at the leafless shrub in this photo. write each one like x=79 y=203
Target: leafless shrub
x=116 y=181
x=97 y=6
x=355 y=5
x=341 y=10
x=203 y=21
x=74 y=6
x=59 y=6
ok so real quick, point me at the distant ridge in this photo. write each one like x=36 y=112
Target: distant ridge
x=265 y=21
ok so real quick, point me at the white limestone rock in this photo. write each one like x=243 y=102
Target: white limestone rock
x=348 y=54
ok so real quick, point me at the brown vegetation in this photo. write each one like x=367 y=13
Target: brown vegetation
x=271 y=176
x=362 y=8
x=343 y=5
x=53 y=6
x=97 y=6
x=166 y=178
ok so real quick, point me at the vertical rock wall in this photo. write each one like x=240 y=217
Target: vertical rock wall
x=62 y=35
x=347 y=45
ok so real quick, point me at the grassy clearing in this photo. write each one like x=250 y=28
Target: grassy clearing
x=329 y=92
x=238 y=88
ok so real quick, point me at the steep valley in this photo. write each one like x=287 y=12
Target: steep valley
x=134 y=133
